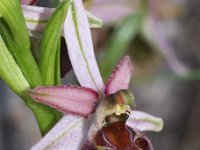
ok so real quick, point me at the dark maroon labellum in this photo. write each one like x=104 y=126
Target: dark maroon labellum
x=118 y=136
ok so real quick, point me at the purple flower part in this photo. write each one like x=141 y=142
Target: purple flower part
x=111 y=11
x=80 y=49
x=120 y=77
x=162 y=44
x=36 y=18
x=67 y=134
x=71 y=131
x=111 y=14
x=118 y=136
x=144 y=122
x=67 y=99
x=28 y=2
x=158 y=39
x=143 y=143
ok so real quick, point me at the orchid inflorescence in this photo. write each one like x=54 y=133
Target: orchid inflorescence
x=96 y=116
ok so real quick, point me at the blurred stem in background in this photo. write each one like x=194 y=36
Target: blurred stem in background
x=119 y=42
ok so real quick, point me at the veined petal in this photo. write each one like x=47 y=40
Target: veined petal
x=120 y=77
x=36 y=17
x=143 y=121
x=28 y=2
x=68 y=99
x=67 y=134
x=78 y=37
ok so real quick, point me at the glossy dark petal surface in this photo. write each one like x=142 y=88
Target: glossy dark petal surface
x=118 y=136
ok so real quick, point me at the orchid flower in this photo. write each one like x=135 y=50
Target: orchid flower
x=115 y=124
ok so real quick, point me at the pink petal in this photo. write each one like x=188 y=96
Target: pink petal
x=143 y=121
x=68 y=99
x=28 y=2
x=81 y=53
x=120 y=77
x=67 y=134
x=37 y=17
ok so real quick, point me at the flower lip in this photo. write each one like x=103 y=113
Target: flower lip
x=118 y=136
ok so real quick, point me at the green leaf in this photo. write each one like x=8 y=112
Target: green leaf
x=14 y=28
x=10 y=71
x=57 y=67
x=48 y=60
x=24 y=60
x=11 y=11
x=45 y=116
x=15 y=35
x=13 y=76
x=119 y=42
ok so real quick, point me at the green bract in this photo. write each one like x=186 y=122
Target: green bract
x=50 y=45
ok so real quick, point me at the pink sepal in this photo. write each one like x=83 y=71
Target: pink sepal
x=67 y=98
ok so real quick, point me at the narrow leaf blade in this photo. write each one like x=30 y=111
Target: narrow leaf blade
x=118 y=43
x=12 y=14
x=12 y=75
x=24 y=60
x=50 y=42
x=10 y=71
